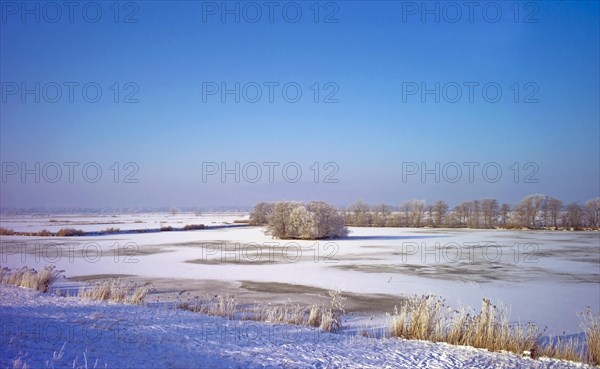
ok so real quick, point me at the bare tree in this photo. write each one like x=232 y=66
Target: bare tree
x=174 y=211
x=489 y=209
x=504 y=213
x=573 y=216
x=462 y=213
x=362 y=217
x=592 y=212
x=197 y=212
x=552 y=209
x=381 y=214
x=260 y=214
x=528 y=210
x=474 y=214
x=439 y=211
x=415 y=210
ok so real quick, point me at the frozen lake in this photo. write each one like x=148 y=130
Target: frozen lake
x=545 y=277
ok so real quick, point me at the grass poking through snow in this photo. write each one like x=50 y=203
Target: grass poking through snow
x=114 y=290
x=30 y=278
x=328 y=318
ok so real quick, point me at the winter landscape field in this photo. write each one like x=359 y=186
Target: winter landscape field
x=299 y=184
x=544 y=277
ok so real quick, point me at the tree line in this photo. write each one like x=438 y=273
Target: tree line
x=321 y=220
x=532 y=212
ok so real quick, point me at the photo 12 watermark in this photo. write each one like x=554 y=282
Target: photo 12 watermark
x=325 y=12
x=70 y=12
x=270 y=92
x=68 y=172
x=469 y=171
x=269 y=172
x=268 y=252
x=69 y=91
x=469 y=12
x=472 y=252
x=470 y=91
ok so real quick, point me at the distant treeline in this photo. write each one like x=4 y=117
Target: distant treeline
x=532 y=212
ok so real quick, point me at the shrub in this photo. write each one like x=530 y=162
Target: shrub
x=191 y=227
x=112 y=230
x=68 y=232
x=6 y=232
x=166 y=229
x=44 y=233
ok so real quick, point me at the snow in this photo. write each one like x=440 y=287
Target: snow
x=44 y=329
x=547 y=284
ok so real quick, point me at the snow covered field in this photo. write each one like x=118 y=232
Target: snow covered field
x=545 y=277
x=43 y=330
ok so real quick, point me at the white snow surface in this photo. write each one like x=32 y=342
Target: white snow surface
x=543 y=276
x=45 y=330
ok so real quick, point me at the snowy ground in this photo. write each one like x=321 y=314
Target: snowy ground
x=43 y=330
x=545 y=277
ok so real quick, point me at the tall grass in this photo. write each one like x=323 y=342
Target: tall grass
x=114 y=290
x=30 y=278
x=428 y=318
x=328 y=318
x=279 y=314
x=561 y=348
x=591 y=326
x=331 y=317
x=219 y=305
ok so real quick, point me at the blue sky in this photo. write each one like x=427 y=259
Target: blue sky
x=369 y=56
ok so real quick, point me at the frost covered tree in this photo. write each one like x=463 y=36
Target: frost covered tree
x=381 y=214
x=302 y=224
x=260 y=214
x=504 y=213
x=278 y=222
x=296 y=220
x=439 y=210
x=573 y=216
x=328 y=221
x=528 y=209
x=414 y=210
x=361 y=216
x=592 y=212
x=551 y=210
x=490 y=210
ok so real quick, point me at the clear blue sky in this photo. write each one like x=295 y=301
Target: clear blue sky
x=370 y=54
